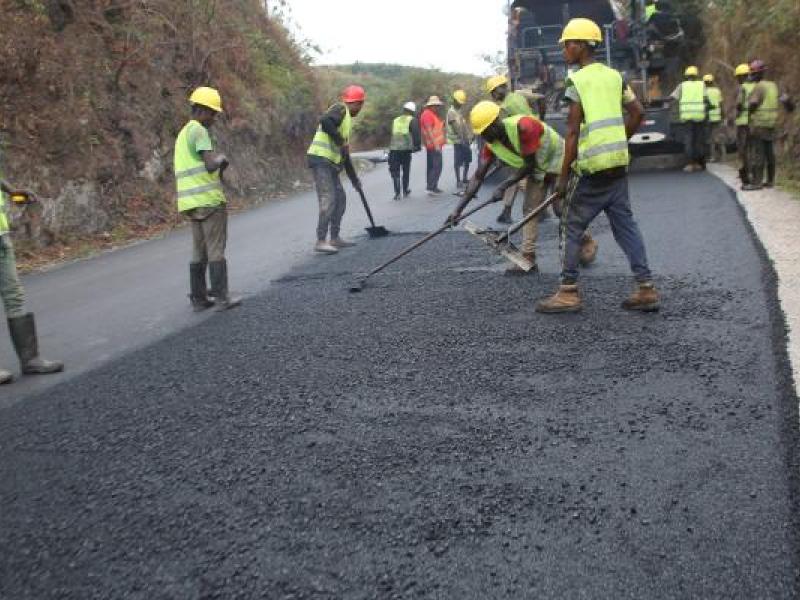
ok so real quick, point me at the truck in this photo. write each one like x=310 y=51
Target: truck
x=643 y=41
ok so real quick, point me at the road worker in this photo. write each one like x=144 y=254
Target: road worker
x=763 y=105
x=715 y=149
x=597 y=148
x=742 y=74
x=405 y=140
x=198 y=174
x=432 y=127
x=327 y=155
x=693 y=108
x=460 y=136
x=21 y=324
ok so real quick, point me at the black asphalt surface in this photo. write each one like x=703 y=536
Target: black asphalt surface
x=432 y=437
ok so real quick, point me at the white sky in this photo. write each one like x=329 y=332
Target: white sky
x=448 y=34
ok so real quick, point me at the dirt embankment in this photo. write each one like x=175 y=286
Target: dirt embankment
x=93 y=93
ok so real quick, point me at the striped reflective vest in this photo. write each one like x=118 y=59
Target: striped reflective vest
x=692 y=104
x=766 y=114
x=549 y=156
x=744 y=94
x=401 y=134
x=197 y=188
x=433 y=134
x=322 y=144
x=516 y=104
x=715 y=99
x=603 y=143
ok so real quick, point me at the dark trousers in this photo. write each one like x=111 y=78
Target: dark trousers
x=695 y=141
x=760 y=153
x=400 y=160
x=741 y=149
x=434 y=160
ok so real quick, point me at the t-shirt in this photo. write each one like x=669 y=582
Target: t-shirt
x=530 y=138
x=199 y=140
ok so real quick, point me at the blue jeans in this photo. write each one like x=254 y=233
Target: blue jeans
x=586 y=198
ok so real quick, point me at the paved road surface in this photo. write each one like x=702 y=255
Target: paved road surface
x=432 y=437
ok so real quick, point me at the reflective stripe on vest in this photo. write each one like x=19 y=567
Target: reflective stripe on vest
x=766 y=115
x=549 y=155
x=516 y=104
x=197 y=188
x=692 y=104
x=401 y=134
x=322 y=144
x=603 y=143
x=744 y=94
x=715 y=99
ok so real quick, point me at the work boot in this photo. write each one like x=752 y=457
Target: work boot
x=505 y=216
x=514 y=269
x=340 y=243
x=323 y=247
x=23 y=336
x=396 y=181
x=750 y=187
x=406 y=193
x=644 y=299
x=566 y=299
x=6 y=376
x=218 y=272
x=769 y=184
x=588 y=250
x=198 y=291
x=743 y=175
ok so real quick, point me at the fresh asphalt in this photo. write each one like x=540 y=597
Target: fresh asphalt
x=431 y=437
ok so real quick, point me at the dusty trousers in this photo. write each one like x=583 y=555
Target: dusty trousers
x=534 y=196
x=332 y=200
x=741 y=147
x=209 y=233
x=434 y=164
x=586 y=198
x=761 y=153
x=10 y=287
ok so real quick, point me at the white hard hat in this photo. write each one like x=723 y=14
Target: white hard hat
x=410 y=106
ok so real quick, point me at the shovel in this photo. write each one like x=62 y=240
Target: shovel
x=375 y=231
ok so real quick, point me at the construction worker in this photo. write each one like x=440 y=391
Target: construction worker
x=327 y=155
x=405 y=140
x=198 y=175
x=597 y=148
x=742 y=74
x=693 y=107
x=763 y=106
x=460 y=136
x=433 y=137
x=716 y=116
x=21 y=324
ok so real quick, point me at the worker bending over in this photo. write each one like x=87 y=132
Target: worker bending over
x=597 y=147
x=405 y=140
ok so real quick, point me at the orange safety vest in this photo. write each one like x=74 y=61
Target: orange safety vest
x=433 y=130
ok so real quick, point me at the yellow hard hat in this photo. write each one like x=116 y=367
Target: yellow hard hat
x=581 y=30
x=742 y=69
x=708 y=78
x=460 y=96
x=206 y=96
x=483 y=114
x=691 y=72
x=495 y=82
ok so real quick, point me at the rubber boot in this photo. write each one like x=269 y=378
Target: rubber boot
x=514 y=269
x=6 y=376
x=566 y=299
x=644 y=298
x=198 y=290
x=588 y=250
x=23 y=336
x=218 y=272
x=396 y=181
x=505 y=216
x=743 y=175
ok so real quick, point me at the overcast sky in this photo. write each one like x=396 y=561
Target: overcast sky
x=448 y=34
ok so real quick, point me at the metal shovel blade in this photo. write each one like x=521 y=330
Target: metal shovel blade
x=512 y=253
x=377 y=232
x=505 y=248
x=356 y=286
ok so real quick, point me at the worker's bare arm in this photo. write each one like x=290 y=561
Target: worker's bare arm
x=634 y=114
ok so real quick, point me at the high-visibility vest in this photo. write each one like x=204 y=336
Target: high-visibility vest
x=453 y=133
x=744 y=94
x=603 y=143
x=401 y=133
x=692 y=104
x=433 y=135
x=549 y=156
x=516 y=104
x=322 y=144
x=715 y=99
x=649 y=11
x=197 y=188
x=766 y=115
x=4 y=225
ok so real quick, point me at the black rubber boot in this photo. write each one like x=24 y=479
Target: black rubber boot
x=198 y=290
x=218 y=273
x=396 y=181
x=23 y=336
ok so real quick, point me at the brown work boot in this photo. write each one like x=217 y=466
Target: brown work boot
x=588 y=250
x=566 y=299
x=515 y=269
x=644 y=299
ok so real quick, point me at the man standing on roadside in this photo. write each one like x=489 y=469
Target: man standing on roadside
x=460 y=136
x=198 y=174
x=328 y=153
x=433 y=137
x=405 y=140
x=693 y=108
x=716 y=116
x=742 y=74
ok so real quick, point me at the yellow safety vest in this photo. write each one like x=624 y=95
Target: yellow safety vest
x=603 y=143
x=692 y=104
x=649 y=11
x=715 y=99
x=197 y=188
x=744 y=94
x=322 y=144
x=766 y=115
x=4 y=225
x=401 y=134
x=549 y=156
x=516 y=104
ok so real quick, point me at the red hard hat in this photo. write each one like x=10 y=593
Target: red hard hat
x=757 y=66
x=354 y=93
